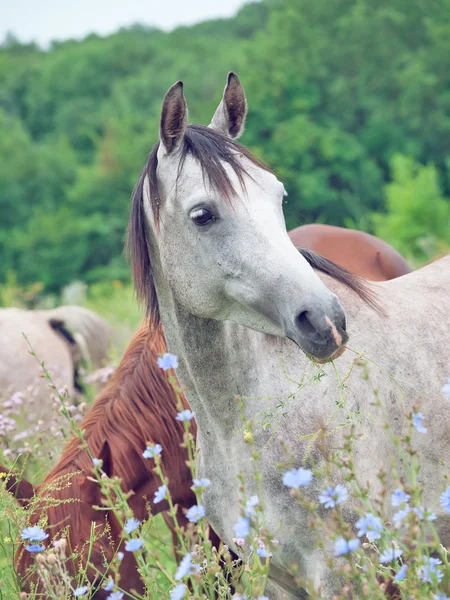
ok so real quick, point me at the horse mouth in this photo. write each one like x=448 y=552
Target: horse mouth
x=339 y=352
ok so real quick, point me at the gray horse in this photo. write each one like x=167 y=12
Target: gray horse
x=63 y=338
x=242 y=309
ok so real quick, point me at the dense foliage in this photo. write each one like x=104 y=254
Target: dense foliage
x=344 y=97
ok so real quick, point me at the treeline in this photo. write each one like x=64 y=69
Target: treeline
x=349 y=103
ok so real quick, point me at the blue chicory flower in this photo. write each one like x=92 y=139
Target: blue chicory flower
x=430 y=571
x=262 y=552
x=35 y=548
x=399 y=497
x=343 y=546
x=417 y=419
x=250 y=506
x=115 y=596
x=371 y=526
x=160 y=494
x=185 y=415
x=178 y=592
x=186 y=567
x=195 y=513
x=133 y=545
x=294 y=478
x=109 y=586
x=331 y=497
x=440 y=596
x=34 y=534
x=242 y=527
x=80 y=591
x=425 y=515
x=390 y=554
x=152 y=451
x=401 y=514
x=445 y=499
x=120 y=556
x=446 y=389
x=199 y=483
x=401 y=573
x=97 y=462
x=168 y=361
x=131 y=525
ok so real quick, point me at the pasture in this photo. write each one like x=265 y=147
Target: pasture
x=243 y=394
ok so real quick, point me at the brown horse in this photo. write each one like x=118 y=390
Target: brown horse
x=137 y=406
x=359 y=252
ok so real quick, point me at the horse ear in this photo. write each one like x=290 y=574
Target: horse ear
x=173 y=118
x=230 y=115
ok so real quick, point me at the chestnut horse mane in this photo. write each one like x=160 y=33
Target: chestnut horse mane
x=137 y=406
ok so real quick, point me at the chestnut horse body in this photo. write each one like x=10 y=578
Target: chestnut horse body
x=357 y=251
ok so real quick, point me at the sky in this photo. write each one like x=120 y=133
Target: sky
x=45 y=20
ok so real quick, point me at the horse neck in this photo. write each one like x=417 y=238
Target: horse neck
x=218 y=361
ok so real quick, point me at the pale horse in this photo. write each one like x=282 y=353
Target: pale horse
x=242 y=309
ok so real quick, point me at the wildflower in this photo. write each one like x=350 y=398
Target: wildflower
x=185 y=415
x=343 y=546
x=239 y=541
x=115 y=596
x=262 y=551
x=440 y=596
x=401 y=514
x=168 y=361
x=160 y=494
x=401 y=574
x=239 y=597
x=199 y=483
x=400 y=497
x=425 y=515
x=446 y=389
x=178 y=592
x=371 y=526
x=430 y=570
x=34 y=534
x=152 y=451
x=391 y=554
x=195 y=513
x=80 y=591
x=333 y=496
x=120 y=556
x=97 y=462
x=35 y=548
x=417 y=419
x=250 y=505
x=445 y=499
x=297 y=477
x=186 y=567
x=131 y=525
x=133 y=545
x=242 y=527
x=109 y=586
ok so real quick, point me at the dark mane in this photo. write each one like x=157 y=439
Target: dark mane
x=357 y=284
x=211 y=149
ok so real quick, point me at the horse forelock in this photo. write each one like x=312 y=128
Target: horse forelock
x=211 y=149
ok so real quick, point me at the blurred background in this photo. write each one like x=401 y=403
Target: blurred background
x=349 y=102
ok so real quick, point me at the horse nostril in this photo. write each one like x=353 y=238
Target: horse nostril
x=304 y=324
x=343 y=323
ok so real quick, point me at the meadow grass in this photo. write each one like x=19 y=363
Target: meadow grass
x=367 y=557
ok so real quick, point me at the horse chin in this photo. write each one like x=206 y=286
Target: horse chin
x=339 y=352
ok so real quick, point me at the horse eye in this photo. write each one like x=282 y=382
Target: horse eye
x=202 y=216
